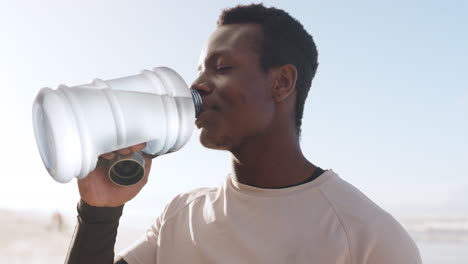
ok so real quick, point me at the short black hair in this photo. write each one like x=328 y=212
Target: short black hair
x=285 y=41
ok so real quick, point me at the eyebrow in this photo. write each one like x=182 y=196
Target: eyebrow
x=213 y=56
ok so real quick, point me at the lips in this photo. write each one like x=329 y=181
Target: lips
x=201 y=119
x=206 y=114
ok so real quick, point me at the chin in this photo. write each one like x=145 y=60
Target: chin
x=218 y=142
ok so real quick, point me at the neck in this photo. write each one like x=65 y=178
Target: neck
x=271 y=160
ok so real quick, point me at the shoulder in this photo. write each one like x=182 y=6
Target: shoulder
x=348 y=201
x=184 y=200
x=391 y=243
x=374 y=236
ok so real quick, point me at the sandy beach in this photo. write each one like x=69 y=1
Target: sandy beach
x=27 y=237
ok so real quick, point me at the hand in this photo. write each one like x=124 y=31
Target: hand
x=97 y=189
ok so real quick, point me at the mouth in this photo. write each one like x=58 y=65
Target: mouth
x=199 y=122
x=205 y=116
x=200 y=117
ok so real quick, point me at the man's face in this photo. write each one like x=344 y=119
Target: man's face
x=237 y=98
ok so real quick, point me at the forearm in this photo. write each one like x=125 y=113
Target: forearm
x=95 y=234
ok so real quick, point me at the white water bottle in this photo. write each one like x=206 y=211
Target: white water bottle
x=73 y=126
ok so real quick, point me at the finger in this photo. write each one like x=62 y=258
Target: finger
x=149 y=156
x=124 y=151
x=108 y=156
x=147 y=170
x=138 y=147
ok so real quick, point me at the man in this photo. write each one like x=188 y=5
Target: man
x=275 y=206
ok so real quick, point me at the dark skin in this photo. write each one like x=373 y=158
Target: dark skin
x=246 y=111
x=97 y=189
x=250 y=112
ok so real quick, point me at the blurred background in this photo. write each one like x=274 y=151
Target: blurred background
x=387 y=111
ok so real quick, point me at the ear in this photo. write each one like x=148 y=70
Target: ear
x=285 y=82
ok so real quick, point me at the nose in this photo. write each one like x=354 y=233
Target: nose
x=201 y=86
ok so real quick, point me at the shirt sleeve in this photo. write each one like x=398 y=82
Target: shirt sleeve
x=144 y=250
x=393 y=245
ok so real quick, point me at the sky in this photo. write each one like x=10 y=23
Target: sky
x=387 y=111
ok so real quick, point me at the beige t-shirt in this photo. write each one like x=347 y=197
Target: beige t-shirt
x=324 y=221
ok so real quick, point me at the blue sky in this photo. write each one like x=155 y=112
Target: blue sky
x=388 y=109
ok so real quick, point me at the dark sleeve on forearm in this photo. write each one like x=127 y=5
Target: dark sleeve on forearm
x=95 y=233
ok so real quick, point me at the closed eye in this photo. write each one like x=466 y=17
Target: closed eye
x=223 y=69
